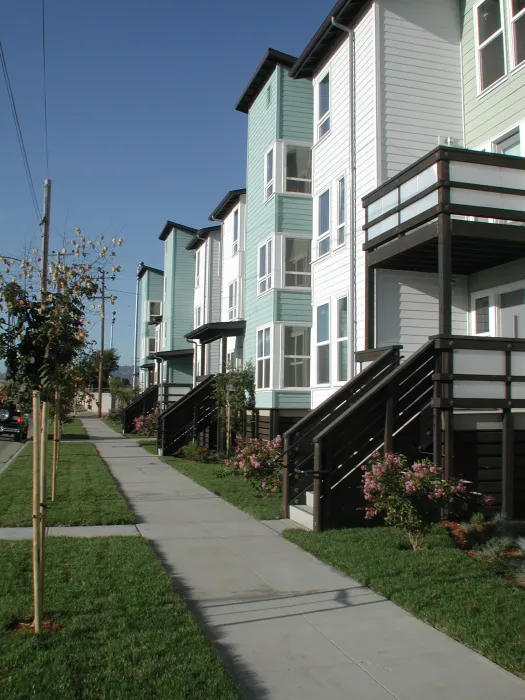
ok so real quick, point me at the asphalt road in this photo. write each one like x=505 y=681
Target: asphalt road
x=8 y=448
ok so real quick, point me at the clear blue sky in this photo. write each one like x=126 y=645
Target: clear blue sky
x=142 y=126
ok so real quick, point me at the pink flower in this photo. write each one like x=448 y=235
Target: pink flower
x=488 y=500
x=263 y=484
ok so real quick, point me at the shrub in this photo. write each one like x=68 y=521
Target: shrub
x=196 y=453
x=259 y=462
x=147 y=425
x=411 y=497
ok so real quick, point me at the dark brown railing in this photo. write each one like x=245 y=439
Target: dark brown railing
x=188 y=418
x=144 y=403
x=298 y=445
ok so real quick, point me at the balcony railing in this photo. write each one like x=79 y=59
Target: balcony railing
x=454 y=181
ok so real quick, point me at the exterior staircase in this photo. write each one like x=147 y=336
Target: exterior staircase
x=144 y=403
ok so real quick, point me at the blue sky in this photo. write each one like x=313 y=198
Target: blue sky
x=142 y=125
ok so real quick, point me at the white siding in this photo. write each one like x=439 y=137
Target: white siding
x=408 y=308
x=420 y=79
x=233 y=265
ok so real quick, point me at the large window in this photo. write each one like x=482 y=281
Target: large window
x=197 y=268
x=149 y=346
x=341 y=211
x=323 y=122
x=296 y=356
x=297 y=253
x=268 y=174
x=154 y=309
x=323 y=344
x=235 y=247
x=323 y=242
x=342 y=339
x=232 y=301
x=263 y=358
x=481 y=315
x=517 y=30
x=264 y=276
x=509 y=145
x=490 y=45
x=298 y=169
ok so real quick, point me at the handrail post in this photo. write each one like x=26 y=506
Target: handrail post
x=286 y=479
x=389 y=423
x=507 y=477
x=317 y=515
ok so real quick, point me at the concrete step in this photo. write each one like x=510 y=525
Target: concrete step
x=304 y=515
x=310 y=498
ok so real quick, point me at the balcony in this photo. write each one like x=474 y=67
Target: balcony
x=454 y=211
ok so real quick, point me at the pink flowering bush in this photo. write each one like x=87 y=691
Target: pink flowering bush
x=411 y=497
x=147 y=425
x=260 y=462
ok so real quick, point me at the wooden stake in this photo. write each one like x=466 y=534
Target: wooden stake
x=56 y=439
x=36 y=513
x=43 y=495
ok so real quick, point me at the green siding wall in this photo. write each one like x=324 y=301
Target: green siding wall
x=294 y=214
x=496 y=276
x=283 y=399
x=179 y=269
x=296 y=117
x=180 y=370
x=489 y=115
x=293 y=306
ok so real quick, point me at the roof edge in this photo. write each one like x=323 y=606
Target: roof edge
x=146 y=268
x=271 y=59
x=171 y=225
x=227 y=202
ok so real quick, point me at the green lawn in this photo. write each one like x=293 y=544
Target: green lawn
x=86 y=493
x=74 y=430
x=442 y=586
x=233 y=489
x=114 y=424
x=126 y=633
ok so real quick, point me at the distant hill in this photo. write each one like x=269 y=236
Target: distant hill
x=126 y=372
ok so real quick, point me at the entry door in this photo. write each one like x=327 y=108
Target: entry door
x=512 y=314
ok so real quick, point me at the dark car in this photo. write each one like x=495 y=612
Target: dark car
x=12 y=422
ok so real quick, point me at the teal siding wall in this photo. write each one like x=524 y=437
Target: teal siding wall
x=492 y=113
x=150 y=290
x=179 y=269
x=180 y=370
x=294 y=214
x=155 y=286
x=284 y=399
x=496 y=276
x=293 y=306
x=296 y=116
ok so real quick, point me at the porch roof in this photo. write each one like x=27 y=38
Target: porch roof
x=209 y=332
x=169 y=354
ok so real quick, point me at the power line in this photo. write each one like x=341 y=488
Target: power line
x=19 y=133
x=45 y=81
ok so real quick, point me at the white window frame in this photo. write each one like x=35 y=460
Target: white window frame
x=164 y=335
x=149 y=315
x=326 y=117
x=291 y=272
x=198 y=316
x=263 y=358
x=197 y=268
x=324 y=235
x=295 y=144
x=341 y=339
x=268 y=277
x=512 y=22
x=269 y=184
x=494 y=295
x=151 y=346
x=301 y=357
x=479 y=47
x=164 y=288
x=232 y=307
x=322 y=343
x=340 y=231
x=236 y=228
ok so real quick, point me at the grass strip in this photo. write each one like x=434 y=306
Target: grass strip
x=233 y=489
x=86 y=493
x=440 y=585
x=126 y=632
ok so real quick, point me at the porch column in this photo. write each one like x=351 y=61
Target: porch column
x=444 y=236
x=202 y=349
x=369 y=306
x=224 y=354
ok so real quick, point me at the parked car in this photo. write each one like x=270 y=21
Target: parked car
x=13 y=422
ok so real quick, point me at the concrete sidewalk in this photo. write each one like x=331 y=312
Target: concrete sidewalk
x=287 y=625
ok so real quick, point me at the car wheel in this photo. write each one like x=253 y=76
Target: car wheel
x=5 y=414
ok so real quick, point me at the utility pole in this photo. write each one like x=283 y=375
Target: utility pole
x=45 y=235
x=135 y=336
x=102 y=324
x=112 y=327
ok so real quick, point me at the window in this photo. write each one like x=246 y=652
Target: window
x=197 y=267
x=342 y=339
x=149 y=344
x=265 y=267
x=296 y=356
x=263 y=358
x=197 y=317
x=268 y=175
x=297 y=254
x=235 y=232
x=232 y=300
x=323 y=245
x=323 y=344
x=489 y=43
x=517 y=30
x=509 y=145
x=341 y=211
x=481 y=315
x=154 y=309
x=165 y=335
x=298 y=169
x=165 y=288
x=323 y=123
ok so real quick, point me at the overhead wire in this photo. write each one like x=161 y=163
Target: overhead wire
x=19 y=133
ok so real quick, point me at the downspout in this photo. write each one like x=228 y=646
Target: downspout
x=352 y=301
